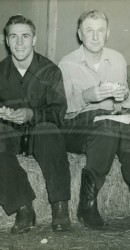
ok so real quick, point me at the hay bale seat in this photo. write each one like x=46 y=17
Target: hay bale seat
x=113 y=199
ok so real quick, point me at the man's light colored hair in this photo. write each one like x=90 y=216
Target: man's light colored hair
x=94 y=14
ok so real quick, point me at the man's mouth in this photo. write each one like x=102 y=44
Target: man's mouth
x=95 y=44
x=20 y=49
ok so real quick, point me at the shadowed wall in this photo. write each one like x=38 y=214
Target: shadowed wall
x=56 y=23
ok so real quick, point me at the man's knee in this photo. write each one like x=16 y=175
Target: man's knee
x=48 y=140
x=9 y=139
x=46 y=128
x=49 y=133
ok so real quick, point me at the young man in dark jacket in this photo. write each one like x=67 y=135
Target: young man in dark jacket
x=31 y=96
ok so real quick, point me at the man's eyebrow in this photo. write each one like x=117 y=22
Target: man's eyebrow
x=13 y=34
x=89 y=27
x=27 y=34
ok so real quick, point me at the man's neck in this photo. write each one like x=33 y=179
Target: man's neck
x=23 y=64
x=92 y=58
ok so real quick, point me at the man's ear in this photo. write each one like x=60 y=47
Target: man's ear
x=7 y=41
x=108 y=33
x=80 y=34
x=34 y=40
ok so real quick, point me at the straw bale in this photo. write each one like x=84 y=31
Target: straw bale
x=113 y=199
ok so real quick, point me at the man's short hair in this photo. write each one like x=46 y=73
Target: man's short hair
x=19 y=19
x=94 y=14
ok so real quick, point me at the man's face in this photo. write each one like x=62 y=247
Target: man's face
x=93 y=33
x=20 y=41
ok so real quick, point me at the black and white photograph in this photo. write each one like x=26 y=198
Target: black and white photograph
x=64 y=124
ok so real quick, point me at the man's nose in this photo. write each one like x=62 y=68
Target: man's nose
x=19 y=40
x=95 y=35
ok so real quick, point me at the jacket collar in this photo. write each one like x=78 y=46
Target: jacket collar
x=31 y=68
x=83 y=59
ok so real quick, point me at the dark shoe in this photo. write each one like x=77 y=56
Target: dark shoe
x=25 y=219
x=91 y=217
x=87 y=208
x=60 y=216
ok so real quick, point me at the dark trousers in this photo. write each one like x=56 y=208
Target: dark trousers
x=100 y=141
x=48 y=148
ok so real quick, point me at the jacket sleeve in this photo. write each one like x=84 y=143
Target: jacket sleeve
x=72 y=82
x=53 y=106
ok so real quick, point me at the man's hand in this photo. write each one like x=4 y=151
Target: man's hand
x=121 y=93
x=97 y=94
x=19 y=116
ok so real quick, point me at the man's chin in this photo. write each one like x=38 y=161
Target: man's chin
x=20 y=58
x=96 y=50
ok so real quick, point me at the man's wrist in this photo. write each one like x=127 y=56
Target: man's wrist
x=85 y=97
x=30 y=114
x=126 y=95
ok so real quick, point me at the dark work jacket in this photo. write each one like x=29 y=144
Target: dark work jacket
x=41 y=89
